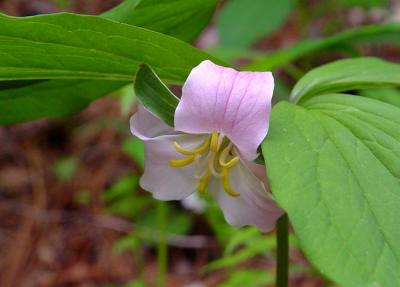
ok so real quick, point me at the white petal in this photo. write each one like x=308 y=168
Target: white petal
x=254 y=206
x=146 y=126
x=194 y=203
x=162 y=180
x=159 y=178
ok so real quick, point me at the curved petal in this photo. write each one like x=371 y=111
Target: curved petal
x=146 y=126
x=159 y=178
x=237 y=104
x=162 y=180
x=254 y=206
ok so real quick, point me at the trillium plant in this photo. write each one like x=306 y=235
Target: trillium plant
x=322 y=164
x=219 y=123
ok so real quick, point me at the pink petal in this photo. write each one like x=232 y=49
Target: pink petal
x=238 y=104
x=162 y=180
x=254 y=206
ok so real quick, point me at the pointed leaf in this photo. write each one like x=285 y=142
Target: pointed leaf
x=379 y=33
x=52 y=46
x=33 y=99
x=347 y=75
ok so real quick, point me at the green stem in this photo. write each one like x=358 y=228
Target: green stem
x=282 y=240
x=162 y=256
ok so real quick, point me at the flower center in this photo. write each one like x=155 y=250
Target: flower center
x=214 y=157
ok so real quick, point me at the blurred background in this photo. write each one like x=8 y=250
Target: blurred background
x=72 y=212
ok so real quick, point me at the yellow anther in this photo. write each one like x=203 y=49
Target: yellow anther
x=181 y=162
x=224 y=154
x=197 y=150
x=214 y=145
x=225 y=183
x=203 y=182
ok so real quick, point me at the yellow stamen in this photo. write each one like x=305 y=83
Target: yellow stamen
x=197 y=150
x=211 y=166
x=203 y=182
x=224 y=154
x=225 y=183
x=214 y=146
x=181 y=162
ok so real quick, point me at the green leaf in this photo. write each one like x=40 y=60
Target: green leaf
x=255 y=247
x=68 y=46
x=334 y=166
x=248 y=278
x=390 y=96
x=242 y=23
x=27 y=100
x=125 y=186
x=181 y=19
x=50 y=98
x=154 y=95
x=346 y=75
x=364 y=3
x=389 y=32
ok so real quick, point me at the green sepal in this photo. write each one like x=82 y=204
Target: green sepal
x=154 y=95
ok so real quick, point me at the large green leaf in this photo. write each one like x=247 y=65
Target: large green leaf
x=391 y=96
x=334 y=166
x=154 y=95
x=242 y=22
x=182 y=19
x=389 y=32
x=50 y=98
x=69 y=46
x=364 y=3
x=345 y=75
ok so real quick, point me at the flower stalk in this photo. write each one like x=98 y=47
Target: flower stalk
x=282 y=240
x=162 y=248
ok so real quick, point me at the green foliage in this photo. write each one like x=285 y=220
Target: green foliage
x=65 y=168
x=251 y=243
x=69 y=46
x=241 y=22
x=30 y=99
x=135 y=149
x=50 y=98
x=390 y=96
x=345 y=75
x=83 y=197
x=179 y=223
x=154 y=95
x=239 y=245
x=181 y=19
x=137 y=283
x=122 y=199
x=248 y=278
x=364 y=3
x=127 y=99
x=380 y=33
x=342 y=156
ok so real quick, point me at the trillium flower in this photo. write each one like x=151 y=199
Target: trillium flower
x=220 y=121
